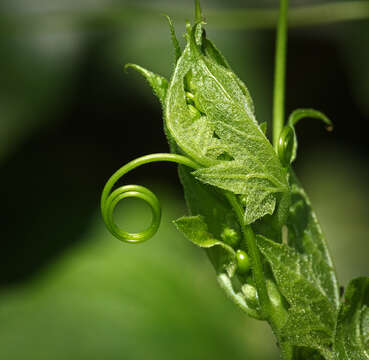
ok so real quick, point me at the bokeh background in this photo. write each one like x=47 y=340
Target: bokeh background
x=70 y=117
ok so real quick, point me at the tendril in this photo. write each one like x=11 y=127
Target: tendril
x=287 y=145
x=110 y=199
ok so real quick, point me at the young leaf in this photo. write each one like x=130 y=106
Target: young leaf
x=257 y=183
x=212 y=52
x=271 y=226
x=312 y=316
x=352 y=333
x=214 y=210
x=204 y=143
x=158 y=83
x=227 y=116
x=306 y=237
x=196 y=230
x=178 y=117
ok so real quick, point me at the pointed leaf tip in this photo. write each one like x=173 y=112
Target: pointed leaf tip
x=198 y=13
x=176 y=46
x=158 y=83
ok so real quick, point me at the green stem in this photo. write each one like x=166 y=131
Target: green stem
x=275 y=314
x=280 y=73
x=256 y=264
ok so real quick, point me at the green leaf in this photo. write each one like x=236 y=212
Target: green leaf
x=214 y=211
x=158 y=83
x=204 y=143
x=196 y=230
x=306 y=237
x=244 y=178
x=312 y=316
x=352 y=333
x=271 y=226
x=231 y=131
x=179 y=119
x=212 y=52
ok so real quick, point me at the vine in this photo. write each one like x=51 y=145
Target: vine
x=243 y=195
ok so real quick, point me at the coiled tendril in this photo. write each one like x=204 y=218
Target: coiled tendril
x=287 y=145
x=110 y=199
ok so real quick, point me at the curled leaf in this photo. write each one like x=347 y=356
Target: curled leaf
x=234 y=152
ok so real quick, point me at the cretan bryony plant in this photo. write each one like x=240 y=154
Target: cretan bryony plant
x=247 y=208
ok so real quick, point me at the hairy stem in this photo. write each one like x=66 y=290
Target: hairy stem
x=254 y=253
x=280 y=73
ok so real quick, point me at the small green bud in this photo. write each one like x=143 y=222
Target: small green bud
x=243 y=262
x=251 y=294
x=195 y=114
x=243 y=200
x=188 y=83
x=274 y=294
x=190 y=97
x=230 y=236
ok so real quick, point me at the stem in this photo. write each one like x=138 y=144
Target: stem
x=267 y=311
x=280 y=72
x=278 y=122
x=257 y=266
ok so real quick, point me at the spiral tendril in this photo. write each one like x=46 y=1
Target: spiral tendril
x=110 y=199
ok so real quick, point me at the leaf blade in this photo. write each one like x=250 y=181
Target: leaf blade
x=352 y=334
x=312 y=316
x=231 y=127
x=243 y=178
x=306 y=237
x=196 y=230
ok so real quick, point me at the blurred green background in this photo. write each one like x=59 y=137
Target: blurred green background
x=70 y=117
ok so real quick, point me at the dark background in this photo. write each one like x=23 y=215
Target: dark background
x=70 y=117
